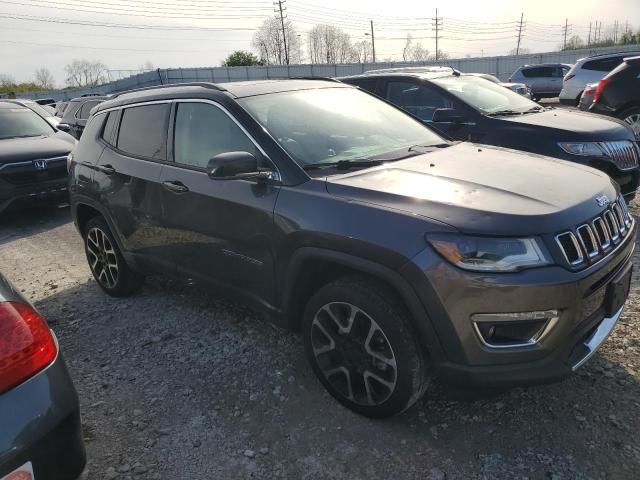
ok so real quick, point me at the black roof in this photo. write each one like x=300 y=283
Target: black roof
x=211 y=90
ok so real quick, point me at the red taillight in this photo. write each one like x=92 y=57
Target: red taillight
x=589 y=89
x=26 y=344
x=601 y=84
x=568 y=77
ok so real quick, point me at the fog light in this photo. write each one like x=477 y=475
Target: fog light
x=509 y=330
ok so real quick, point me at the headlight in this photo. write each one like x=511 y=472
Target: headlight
x=482 y=254
x=585 y=149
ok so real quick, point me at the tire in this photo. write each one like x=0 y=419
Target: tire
x=631 y=116
x=344 y=322
x=106 y=261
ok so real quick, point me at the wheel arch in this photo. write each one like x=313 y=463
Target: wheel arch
x=311 y=268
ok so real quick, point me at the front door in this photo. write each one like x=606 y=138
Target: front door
x=220 y=231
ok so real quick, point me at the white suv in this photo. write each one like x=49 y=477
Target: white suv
x=589 y=70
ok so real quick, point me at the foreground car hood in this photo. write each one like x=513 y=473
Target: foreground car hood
x=484 y=190
x=576 y=125
x=21 y=149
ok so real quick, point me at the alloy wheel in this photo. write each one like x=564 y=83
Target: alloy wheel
x=353 y=354
x=633 y=121
x=102 y=257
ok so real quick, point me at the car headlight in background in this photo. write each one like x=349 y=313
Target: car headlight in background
x=585 y=149
x=482 y=254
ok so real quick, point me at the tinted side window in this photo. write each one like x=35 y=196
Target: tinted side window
x=603 y=64
x=202 y=131
x=108 y=133
x=369 y=85
x=143 y=131
x=531 y=72
x=420 y=100
x=86 y=109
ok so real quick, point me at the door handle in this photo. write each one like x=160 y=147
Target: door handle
x=175 y=186
x=106 y=169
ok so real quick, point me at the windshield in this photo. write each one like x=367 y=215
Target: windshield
x=22 y=122
x=486 y=96
x=39 y=109
x=329 y=125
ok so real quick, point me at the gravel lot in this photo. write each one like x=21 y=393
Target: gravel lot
x=177 y=383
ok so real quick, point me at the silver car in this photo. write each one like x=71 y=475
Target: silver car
x=544 y=80
x=519 y=88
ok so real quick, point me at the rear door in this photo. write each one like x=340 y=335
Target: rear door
x=127 y=179
x=220 y=231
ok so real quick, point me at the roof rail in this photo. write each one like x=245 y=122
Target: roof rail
x=210 y=85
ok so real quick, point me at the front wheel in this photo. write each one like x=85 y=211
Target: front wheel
x=361 y=346
x=631 y=117
x=106 y=261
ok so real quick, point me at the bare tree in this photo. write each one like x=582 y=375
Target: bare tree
x=86 y=73
x=408 y=48
x=6 y=80
x=362 y=51
x=269 y=42
x=148 y=65
x=44 y=78
x=419 y=53
x=329 y=44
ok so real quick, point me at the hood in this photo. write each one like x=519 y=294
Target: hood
x=22 y=149
x=482 y=190
x=572 y=125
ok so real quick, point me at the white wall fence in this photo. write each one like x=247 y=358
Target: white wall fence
x=502 y=67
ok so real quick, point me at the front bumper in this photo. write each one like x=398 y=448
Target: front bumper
x=40 y=423
x=46 y=191
x=451 y=296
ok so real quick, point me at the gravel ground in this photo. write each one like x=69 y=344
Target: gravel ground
x=177 y=383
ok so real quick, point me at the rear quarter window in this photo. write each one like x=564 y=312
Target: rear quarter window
x=108 y=133
x=603 y=64
x=143 y=131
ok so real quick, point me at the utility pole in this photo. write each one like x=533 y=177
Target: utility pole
x=589 y=37
x=284 y=34
x=565 y=32
x=373 y=42
x=520 y=33
x=437 y=24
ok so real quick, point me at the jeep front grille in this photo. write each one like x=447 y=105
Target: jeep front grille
x=597 y=238
x=623 y=153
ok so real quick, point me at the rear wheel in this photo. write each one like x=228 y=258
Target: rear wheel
x=360 y=344
x=631 y=117
x=106 y=261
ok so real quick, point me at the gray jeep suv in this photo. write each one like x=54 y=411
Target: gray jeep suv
x=398 y=254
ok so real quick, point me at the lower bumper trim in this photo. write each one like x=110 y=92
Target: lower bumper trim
x=593 y=342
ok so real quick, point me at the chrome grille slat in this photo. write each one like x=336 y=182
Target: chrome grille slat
x=592 y=241
x=623 y=153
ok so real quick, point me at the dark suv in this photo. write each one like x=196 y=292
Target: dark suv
x=76 y=114
x=398 y=254
x=471 y=108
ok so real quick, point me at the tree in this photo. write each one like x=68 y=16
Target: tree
x=241 y=58
x=44 y=78
x=522 y=51
x=148 y=65
x=330 y=44
x=419 y=53
x=573 y=43
x=86 y=73
x=269 y=42
x=362 y=51
x=408 y=48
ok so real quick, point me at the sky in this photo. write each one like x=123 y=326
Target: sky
x=125 y=35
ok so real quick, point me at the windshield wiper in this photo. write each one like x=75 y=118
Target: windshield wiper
x=501 y=113
x=537 y=108
x=343 y=164
x=414 y=148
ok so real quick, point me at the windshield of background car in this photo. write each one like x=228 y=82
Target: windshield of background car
x=22 y=122
x=334 y=124
x=484 y=95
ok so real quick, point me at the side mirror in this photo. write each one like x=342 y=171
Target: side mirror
x=235 y=165
x=447 y=115
x=63 y=127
